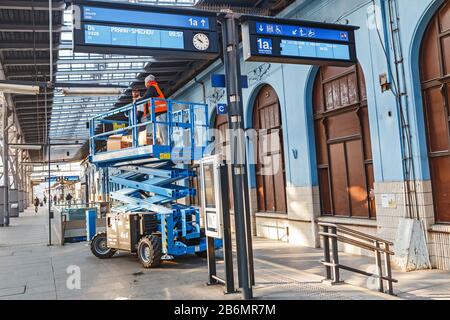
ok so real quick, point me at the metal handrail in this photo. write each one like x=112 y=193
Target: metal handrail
x=190 y=109
x=333 y=234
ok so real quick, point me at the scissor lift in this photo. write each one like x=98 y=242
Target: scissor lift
x=147 y=180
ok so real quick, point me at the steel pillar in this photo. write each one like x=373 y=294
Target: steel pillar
x=5 y=164
x=230 y=34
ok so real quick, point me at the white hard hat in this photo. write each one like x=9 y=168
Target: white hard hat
x=149 y=78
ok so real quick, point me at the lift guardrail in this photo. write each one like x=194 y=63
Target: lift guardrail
x=334 y=233
x=184 y=129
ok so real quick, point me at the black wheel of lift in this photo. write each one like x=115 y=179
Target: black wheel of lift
x=99 y=246
x=150 y=251
x=202 y=254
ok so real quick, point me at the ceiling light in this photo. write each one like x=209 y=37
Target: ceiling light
x=92 y=92
x=19 y=88
x=25 y=146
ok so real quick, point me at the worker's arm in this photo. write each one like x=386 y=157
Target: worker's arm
x=150 y=93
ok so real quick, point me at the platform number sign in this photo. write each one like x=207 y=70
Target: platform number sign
x=222 y=109
x=265 y=46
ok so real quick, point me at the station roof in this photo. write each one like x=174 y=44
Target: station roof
x=24 y=55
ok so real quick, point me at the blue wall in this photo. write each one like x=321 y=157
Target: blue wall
x=294 y=83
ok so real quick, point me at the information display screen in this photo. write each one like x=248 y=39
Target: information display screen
x=122 y=16
x=298 y=42
x=131 y=29
x=133 y=37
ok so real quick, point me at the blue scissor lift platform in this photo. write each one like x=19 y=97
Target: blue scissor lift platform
x=150 y=176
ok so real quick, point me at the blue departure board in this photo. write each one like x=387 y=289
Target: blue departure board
x=145 y=30
x=145 y=18
x=298 y=42
x=133 y=37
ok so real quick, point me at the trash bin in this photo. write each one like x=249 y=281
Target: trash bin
x=20 y=194
x=2 y=203
x=14 y=203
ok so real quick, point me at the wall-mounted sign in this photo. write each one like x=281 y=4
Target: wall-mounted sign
x=222 y=108
x=146 y=30
x=388 y=201
x=298 y=42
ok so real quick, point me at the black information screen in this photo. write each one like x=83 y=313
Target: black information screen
x=145 y=30
x=299 y=42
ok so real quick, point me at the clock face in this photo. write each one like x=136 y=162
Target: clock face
x=201 y=41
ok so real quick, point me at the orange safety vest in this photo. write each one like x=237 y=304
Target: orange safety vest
x=160 y=106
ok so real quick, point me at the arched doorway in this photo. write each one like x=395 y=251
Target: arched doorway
x=344 y=154
x=270 y=184
x=435 y=79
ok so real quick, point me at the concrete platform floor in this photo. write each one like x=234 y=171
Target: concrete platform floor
x=29 y=269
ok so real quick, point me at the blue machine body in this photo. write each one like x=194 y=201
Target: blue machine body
x=91 y=221
x=151 y=174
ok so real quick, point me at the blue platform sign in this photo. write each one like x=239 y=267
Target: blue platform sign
x=131 y=29
x=222 y=108
x=298 y=42
x=219 y=81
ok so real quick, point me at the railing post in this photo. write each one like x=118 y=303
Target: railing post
x=387 y=265
x=326 y=252
x=335 y=253
x=134 y=128
x=379 y=266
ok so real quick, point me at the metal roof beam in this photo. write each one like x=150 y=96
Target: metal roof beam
x=107 y=71
x=32 y=5
x=16 y=27
x=25 y=46
x=27 y=62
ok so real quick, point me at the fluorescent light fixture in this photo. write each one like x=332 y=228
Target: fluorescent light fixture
x=25 y=147
x=92 y=92
x=19 y=88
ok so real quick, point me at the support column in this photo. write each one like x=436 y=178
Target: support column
x=237 y=144
x=5 y=163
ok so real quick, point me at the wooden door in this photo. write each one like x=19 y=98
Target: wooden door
x=435 y=76
x=344 y=154
x=270 y=167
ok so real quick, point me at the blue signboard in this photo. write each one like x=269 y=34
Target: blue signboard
x=127 y=17
x=219 y=81
x=298 y=42
x=301 y=32
x=130 y=29
x=222 y=109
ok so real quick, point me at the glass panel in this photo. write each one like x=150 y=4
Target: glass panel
x=210 y=198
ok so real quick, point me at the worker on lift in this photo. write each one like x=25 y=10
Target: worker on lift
x=136 y=95
x=153 y=91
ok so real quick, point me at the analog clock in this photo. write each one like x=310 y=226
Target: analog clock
x=201 y=42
